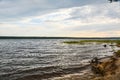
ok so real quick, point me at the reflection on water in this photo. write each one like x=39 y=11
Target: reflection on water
x=20 y=55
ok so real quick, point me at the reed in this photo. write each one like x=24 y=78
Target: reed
x=117 y=42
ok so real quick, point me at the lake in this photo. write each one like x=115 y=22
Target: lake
x=24 y=57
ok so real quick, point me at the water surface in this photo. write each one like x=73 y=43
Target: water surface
x=21 y=57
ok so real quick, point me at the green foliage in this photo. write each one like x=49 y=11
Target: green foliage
x=113 y=0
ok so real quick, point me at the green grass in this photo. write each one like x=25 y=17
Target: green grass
x=72 y=42
x=91 y=41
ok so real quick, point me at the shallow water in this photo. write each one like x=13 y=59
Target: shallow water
x=23 y=57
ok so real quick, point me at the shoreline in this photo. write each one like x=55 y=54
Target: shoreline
x=112 y=74
x=89 y=75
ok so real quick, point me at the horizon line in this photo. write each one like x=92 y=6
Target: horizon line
x=53 y=37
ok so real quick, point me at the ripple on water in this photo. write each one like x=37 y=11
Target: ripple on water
x=44 y=55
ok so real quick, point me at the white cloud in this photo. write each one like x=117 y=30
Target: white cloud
x=93 y=18
x=89 y=14
x=59 y=15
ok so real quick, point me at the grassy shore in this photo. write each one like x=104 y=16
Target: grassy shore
x=117 y=42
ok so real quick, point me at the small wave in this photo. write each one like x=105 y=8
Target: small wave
x=26 y=48
x=42 y=72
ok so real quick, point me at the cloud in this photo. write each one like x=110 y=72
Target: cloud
x=15 y=10
x=80 y=16
x=52 y=18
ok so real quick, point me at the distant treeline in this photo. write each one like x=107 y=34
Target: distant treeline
x=15 y=37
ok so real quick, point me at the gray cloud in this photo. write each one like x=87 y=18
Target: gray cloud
x=25 y=8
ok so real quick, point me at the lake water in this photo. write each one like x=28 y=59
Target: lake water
x=23 y=57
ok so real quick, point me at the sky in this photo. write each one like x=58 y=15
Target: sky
x=60 y=18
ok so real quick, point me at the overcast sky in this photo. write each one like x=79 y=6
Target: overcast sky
x=62 y=18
